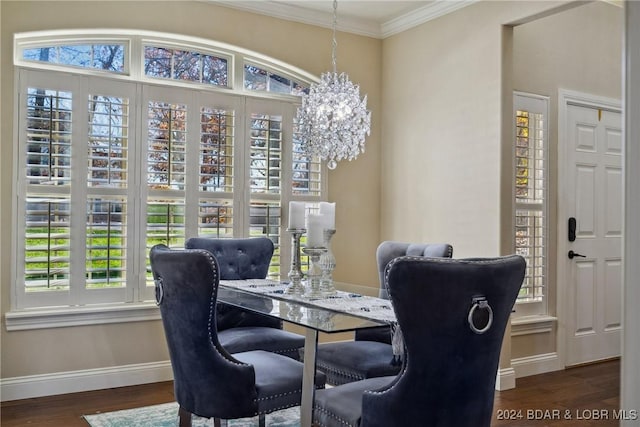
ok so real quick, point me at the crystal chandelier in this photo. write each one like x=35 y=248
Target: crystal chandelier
x=332 y=119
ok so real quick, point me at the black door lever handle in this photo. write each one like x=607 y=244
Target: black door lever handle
x=572 y=255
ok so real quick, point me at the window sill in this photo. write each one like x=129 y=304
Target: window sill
x=537 y=324
x=40 y=318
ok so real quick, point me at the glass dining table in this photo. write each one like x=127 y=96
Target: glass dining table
x=348 y=309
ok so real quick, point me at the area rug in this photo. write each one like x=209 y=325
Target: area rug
x=166 y=415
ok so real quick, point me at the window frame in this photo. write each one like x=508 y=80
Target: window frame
x=33 y=40
x=43 y=314
x=537 y=104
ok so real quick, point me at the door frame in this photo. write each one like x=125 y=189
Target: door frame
x=565 y=99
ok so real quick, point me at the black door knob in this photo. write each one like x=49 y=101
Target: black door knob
x=572 y=255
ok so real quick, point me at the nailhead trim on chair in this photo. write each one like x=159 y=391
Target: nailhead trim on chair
x=332 y=415
x=338 y=375
x=287 y=350
x=275 y=396
x=450 y=252
x=212 y=305
x=280 y=395
x=291 y=353
x=440 y=260
x=437 y=259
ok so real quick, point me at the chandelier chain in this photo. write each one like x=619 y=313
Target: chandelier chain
x=334 y=45
x=333 y=121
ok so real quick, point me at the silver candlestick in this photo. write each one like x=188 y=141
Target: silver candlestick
x=295 y=273
x=314 y=274
x=327 y=264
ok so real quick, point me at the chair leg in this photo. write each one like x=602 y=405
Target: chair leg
x=219 y=422
x=262 y=420
x=184 y=417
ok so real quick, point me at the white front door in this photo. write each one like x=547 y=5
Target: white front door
x=593 y=254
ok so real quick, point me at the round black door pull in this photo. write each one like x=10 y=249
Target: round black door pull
x=572 y=255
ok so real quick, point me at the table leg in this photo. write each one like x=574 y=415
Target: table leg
x=308 y=377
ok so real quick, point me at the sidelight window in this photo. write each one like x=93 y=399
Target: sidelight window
x=531 y=192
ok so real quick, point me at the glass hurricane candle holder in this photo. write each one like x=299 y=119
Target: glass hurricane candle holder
x=327 y=264
x=314 y=274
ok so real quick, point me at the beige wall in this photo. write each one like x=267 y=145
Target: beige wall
x=441 y=130
x=354 y=186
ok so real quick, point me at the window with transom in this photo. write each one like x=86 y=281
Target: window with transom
x=116 y=155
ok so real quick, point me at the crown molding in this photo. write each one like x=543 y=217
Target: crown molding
x=421 y=15
x=303 y=15
x=348 y=24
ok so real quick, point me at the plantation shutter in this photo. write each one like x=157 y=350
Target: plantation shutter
x=531 y=192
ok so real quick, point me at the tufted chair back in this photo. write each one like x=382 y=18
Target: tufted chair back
x=389 y=250
x=238 y=258
x=241 y=258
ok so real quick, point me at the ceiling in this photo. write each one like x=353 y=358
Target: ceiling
x=373 y=18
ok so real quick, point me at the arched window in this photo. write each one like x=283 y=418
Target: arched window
x=129 y=139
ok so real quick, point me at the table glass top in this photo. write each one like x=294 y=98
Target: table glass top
x=323 y=319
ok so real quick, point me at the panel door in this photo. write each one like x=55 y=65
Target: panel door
x=595 y=198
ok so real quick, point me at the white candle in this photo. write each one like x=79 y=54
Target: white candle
x=314 y=231
x=328 y=210
x=296 y=215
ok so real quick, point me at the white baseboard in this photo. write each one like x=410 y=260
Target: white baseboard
x=527 y=366
x=538 y=364
x=144 y=373
x=85 y=380
x=506 y=379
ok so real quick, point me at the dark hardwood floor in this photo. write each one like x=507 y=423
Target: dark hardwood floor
x=580 y=396
x=585 y=396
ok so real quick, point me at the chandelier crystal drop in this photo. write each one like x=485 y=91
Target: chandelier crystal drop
x=332 y=120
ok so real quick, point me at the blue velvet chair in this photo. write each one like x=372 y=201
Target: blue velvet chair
x=208 y=381
x=239 y=329
x=371 y=354
x=453 y=314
